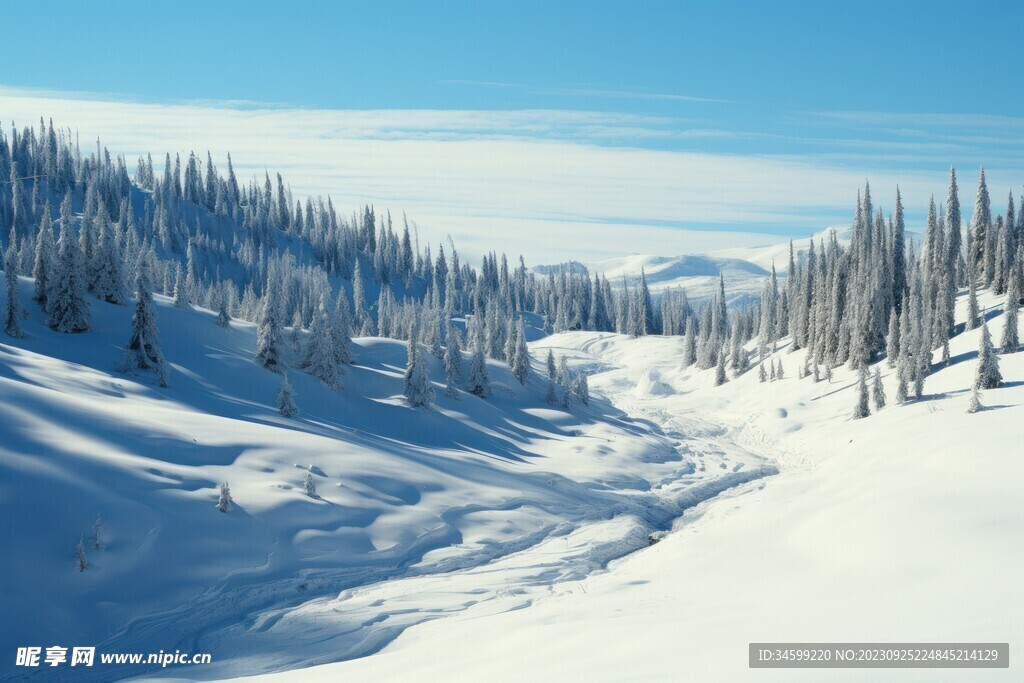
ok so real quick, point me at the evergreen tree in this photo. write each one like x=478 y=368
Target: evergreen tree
x=66 y=302
x=12 y=316
x=581 y=389
x=45 y=257
x=80 y=559
x=521 y=355
x=763 y=377
x=720 y=377
x=975 y=405
x=309 y=486
x=418 y=390
x=892 y=341
x=478 y=383
x=689 y=345
x=987 y=375
x=268 y=330
x=551 y=365
x=877 y=390
x=108 y=278
x=180 y=290
x=320 y=359
x=1011 y=334
x=551 y=397
x=862 y=408
x=142 y=351
x=95 y=540
x=286 y=398
x=224 y=500
x=452 y=364
x=781 y=374
x=223 y=317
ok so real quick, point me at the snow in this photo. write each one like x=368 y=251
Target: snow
x=904 y=526
x=508 y=492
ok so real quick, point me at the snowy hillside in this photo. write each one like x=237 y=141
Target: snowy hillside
x=400 y=491
x=902 y=526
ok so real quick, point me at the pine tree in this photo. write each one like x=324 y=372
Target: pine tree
x=581 y=388
x=689 y=345
x=95 y=540
x=720 y=377
x=452 y=364
x=892 y=341
x=180 y=290
x=1011 y=334
x=142 y=351
x=781 y=374
x=975 y=405
x=341 y=332
x=66 y=302
x=224 y=500
x=80 y=559
x=552 y=396
x=551 y=365
x=973 y=315
x=45 y=256
x=12 y=316
x=286 y=398
x=320 y=359
x=478 y=383
x=309 y=486
x=862 y=409
x=108 y=278
x=521 y=355
x=268 y=329
x=418 y=390
x=223 y=317
x=762 y=376
x=987 y=375
x=877 y=390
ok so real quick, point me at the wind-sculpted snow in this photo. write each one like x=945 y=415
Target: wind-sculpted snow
x=419 y=512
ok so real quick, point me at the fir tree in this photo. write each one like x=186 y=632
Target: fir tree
x=309 y=486
x=720 y=377
x=862 y=409
x=268 y=330
x=12 y=316
x=224 y=500
x=142 y=351
x=66 y=302
x=521 y=355
x=286 y=398
x=892 y=342
x=80 y=559
x=877 y=390
x=552 y=371
x=478 y=383
x=581 y=389
x=987 y=375
x=180 y=290
x=223 y=317
x=45 y=256
x=418 y=390
x=762 y=376
x=108 y=279
x=781 y=374
x=452 y=364
x=320 y=359
x=975 y=405
x=1011 y=332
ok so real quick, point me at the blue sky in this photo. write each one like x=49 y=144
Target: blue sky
x=894 y=91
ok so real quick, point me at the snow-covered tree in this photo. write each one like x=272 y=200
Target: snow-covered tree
x=13 y=311
x=81 y=561
x=309 y=486
x=720 y=377
x=478 y=383
x=44 y=263
x=581 y=388
x=223 y=317
x=418 y=390
x=877 y=390
x=975 y=404
x=862 y=409
x=268 y=329
x=224 y=499
x=1011 y=332
x=762 y=376
x=66 y=302
x=142 y=351
x=452 y=364
x=180 y=289
x=987 y=375
x=520 y=361
x=286 y=398
x=95 y=540
x=108 y=263
x=320 y=359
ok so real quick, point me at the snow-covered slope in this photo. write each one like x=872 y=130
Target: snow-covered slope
x=402 y=493
x=905 y=526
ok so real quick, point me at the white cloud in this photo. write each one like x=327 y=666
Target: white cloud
x=533 y=182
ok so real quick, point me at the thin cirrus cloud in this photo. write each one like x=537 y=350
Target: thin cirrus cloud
x=551 y=185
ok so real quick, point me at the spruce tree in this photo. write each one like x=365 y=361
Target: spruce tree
x=862 y=409
x=452 y=364
x=320 y=359
x=180 y=290
x=223 y=317
x=286 y=398
x=763 y=377
x=720 y=377
x=1010 y=342
x=418 y=390
x=142 y=351
x=892 y=341
x=478 y=383
x=581 y=389
x=12 y=315
x=45 y=256
x=268 y=329
x=66 y=302
x=224 y=500
x=521 y=355
x=975 y=405
x=877 y=390
x=108 y=278
x=987 y=375
x=552 y=371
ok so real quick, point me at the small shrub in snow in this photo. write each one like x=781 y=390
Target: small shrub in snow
x=224 y=501
x=309 y=486
x=286 y=399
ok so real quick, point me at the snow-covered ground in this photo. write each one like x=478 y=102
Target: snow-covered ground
x=508 y=495
x=905 y=526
